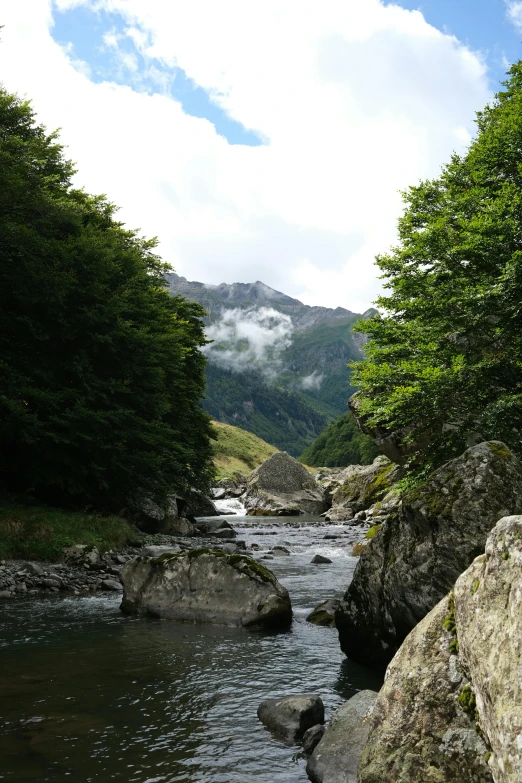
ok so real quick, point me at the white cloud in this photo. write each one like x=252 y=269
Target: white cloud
x=356 y=99
x=249 y=339
x=514 y=12
x=312 y=381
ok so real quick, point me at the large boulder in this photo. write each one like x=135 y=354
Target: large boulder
x=364 y=485
x=205 y=586
x=425 y=542
x=281 y=486
x=488 y=615
x=336 y=757
x=419 y=733
x=291 y=716
x=324 y=613
x=196 y=504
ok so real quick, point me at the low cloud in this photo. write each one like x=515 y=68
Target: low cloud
x=312 y=381
x=514 y=13
x=249 y=340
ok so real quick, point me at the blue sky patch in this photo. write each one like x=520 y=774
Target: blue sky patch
x=99 y=40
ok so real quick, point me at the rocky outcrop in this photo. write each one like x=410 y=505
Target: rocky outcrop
x=364 y=485
x=419 y=733
x=196 y=504
x=215 y=528
x=336 y=757
x=291 y=716
x=424 y=543
x=205 y=586
x=281 y=486
x=488 y=625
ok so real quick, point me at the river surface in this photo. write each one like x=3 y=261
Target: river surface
x=88 y=694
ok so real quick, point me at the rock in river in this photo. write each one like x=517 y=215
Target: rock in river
x=324 y=613
x=291 y=716
x=205 y=586
x=281 y=486
x=336 y=757
x=422 y=547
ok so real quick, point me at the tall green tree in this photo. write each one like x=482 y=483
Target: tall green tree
x=101 y=374
x=444 y=364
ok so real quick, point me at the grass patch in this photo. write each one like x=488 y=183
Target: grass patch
x=238 y=451
x=372 y=532
x=31 y=531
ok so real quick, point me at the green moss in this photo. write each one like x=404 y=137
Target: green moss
x=454 y=645
x=468 y=703
x=451 y=626
x=499 y=450
x=474 y=587
x=372 y=532
x=505 y=555
x=391 y=559
x=379 y=485
x=487 y=756
x=234 y=560
x=358 y=549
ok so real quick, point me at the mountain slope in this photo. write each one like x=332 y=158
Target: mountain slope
x=238 y=451
x=277 y=367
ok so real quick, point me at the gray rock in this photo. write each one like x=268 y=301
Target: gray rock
x=339 y=515
x=203 y=586
x=81 y=554
x=281 y=486
x=51 y=582
x=364 y=485
x=229 y=549
x=181 y=527
x=324 y=613
x=33 y=568
x=311 y=738
x=280 y=551
x=418 y=732
x=423 y=545
x=321 y=559
x=6 y=594
x=112 y=585
x=213 y=526
x=224 y=533
x=157 y=551
x=336 y=757
x=196 y=504
x=291 y=716
x=218 y=493
x=488 y=602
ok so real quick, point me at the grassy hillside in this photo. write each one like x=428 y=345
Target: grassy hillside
x=339 y=445
x=32 y=531
x=238 y=451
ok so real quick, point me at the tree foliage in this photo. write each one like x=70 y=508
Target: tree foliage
x=445 y=359
x=100 y=369
x=340 y=444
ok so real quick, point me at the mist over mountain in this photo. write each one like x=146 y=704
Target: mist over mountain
x=277 y=367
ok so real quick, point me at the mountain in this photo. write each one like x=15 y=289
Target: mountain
x=277 y=367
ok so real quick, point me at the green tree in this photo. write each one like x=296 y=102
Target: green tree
x=339 y=445
x=445 y=362
x=100 y=369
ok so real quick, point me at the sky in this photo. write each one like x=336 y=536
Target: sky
x=261 y=140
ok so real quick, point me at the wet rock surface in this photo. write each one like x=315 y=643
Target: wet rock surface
x=336 y=757
x=424 y=543
x=324 y=613
x=291 y=716
x=205 y=586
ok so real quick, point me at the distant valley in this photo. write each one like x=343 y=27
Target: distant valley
x=277 y=367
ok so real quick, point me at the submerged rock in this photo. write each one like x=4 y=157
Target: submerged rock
x=205 y=586
x=291 y=716
x=311 y=738
x=418 y=731
x=336 y=757
x=281 y=486
x=422 y=546
x=324 y=613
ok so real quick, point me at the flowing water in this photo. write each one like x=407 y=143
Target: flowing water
x=88 y=694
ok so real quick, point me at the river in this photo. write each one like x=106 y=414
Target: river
x=88 y=694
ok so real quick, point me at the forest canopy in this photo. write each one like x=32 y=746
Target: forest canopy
x=101 y=372
x=444 y=364
x=341 y=444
